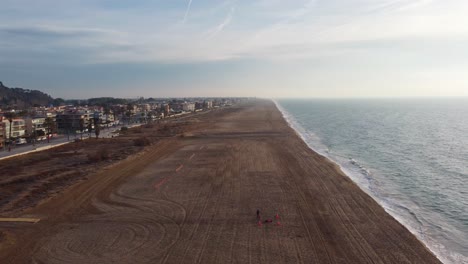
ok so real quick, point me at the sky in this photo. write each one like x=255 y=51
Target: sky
x=267 y=48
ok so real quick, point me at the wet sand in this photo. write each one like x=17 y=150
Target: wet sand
x=193 y=199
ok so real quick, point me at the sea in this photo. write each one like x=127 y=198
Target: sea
x=410 y=155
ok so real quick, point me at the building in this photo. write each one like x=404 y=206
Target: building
x=188 y=107
x=108 y=119
x=17 y=128
x=198 y=106
x=167 y=110
x=71 y=121
x=208 y=104
x=144 y=107
x=2 y=133
x=35 y=126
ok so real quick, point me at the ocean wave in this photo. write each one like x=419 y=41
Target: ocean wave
x=362 y=176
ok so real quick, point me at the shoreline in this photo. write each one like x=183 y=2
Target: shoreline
x=195 y=197
x=298 y=129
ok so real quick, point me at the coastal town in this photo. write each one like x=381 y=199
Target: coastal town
x=38 y=124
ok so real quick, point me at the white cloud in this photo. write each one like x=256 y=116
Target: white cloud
x=263 y=29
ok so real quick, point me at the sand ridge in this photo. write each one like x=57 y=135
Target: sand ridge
x=193 y=199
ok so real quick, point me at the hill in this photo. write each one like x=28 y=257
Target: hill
x=22 y=98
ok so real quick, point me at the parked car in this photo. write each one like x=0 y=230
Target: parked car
x=20 y=141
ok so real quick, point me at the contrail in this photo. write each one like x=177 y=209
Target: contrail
x=220 y=27
x=188 y=10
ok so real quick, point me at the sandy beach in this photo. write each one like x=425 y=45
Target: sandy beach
x=193 y=198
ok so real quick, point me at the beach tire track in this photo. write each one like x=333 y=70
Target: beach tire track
x=303 y=204
x=198 y=221
x=110 y=237
x=61 y=248
x=391 y=235
x=364 y=249
x=220 y=185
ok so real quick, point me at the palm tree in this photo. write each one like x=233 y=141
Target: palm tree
x=49 y=124
x=107 y=112
x=150 y=116
x=117 y=112
x=129 y=111
x=82 y=127
x=90 y=128
x=97 y=128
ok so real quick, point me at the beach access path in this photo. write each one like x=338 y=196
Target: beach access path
x=193 y=199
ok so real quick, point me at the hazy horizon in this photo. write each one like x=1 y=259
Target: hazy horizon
x=268 y=48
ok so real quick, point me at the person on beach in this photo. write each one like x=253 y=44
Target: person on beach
x=258 y=214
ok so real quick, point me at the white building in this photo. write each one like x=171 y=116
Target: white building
x=188 y=107
x=18 y=128
x=208 y=104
